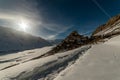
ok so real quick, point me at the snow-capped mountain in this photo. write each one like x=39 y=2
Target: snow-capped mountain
x=101 y=61
x=12 y=40
x=112 y=26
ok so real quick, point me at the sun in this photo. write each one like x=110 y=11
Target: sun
x=23 y=25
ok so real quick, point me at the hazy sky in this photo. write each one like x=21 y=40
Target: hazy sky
x=53 y=19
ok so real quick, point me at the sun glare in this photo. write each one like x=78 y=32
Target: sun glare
x=23 y=25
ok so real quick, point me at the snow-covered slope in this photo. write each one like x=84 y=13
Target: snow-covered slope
x=21 y=57
x=12 y=40
x=112 y=26
x=101 y=62
x=111 y=29
x=38 y=68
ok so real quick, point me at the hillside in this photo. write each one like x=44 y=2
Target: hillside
x=12 y=40
x=101 y=62
x=98 y=62
x=112 y=26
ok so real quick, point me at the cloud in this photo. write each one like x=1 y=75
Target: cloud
x=64 y=29
x=12 y=11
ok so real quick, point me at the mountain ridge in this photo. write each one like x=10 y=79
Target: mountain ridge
x=109 y=24
x=75 y=40
x=13 y=40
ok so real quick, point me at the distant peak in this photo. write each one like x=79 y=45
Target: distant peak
x=74 y=34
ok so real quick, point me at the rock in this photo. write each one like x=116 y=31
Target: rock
x=112 y=21
x=74 y=40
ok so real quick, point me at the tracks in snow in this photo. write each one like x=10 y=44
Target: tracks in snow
x=51 y=69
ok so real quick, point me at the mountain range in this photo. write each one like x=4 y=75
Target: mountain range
x=12 y=40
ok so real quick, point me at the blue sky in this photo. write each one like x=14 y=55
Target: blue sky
x=53 y=19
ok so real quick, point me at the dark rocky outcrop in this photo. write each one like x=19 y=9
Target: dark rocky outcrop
x=74 y=40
